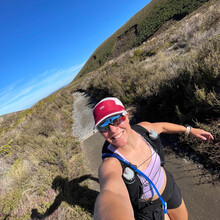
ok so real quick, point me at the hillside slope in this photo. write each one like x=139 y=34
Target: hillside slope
x=39 y=158
x=138 y=29
x=173 y=76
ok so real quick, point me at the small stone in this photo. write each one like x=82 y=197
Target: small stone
x=185 y=160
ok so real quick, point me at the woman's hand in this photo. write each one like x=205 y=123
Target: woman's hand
x=201 y=134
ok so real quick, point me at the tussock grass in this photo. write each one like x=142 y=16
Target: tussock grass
x=138 y=29
x=174 y=76
x=36 y=146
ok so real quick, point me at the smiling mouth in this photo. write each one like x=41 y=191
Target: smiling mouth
x=116 y=137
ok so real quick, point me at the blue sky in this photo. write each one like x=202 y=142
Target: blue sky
x=45 y=43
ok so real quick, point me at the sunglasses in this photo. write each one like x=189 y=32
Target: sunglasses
x=114 y=120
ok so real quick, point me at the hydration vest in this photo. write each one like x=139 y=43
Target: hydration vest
x=151 y=137
x=135 y=189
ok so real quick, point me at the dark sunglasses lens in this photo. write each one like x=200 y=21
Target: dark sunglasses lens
x=115 y=120
x=103 y=129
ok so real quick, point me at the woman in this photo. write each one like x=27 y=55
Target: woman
x=114 y=201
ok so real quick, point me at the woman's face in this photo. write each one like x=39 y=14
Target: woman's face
x=118 y=135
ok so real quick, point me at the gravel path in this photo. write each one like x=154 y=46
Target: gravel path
x=83 y=125
x=202 y=198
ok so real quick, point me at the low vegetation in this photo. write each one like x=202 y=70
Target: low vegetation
x=138 y=29
x=174 y=76
x=42 y=172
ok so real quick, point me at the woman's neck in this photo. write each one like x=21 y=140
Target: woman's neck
x=133 y=143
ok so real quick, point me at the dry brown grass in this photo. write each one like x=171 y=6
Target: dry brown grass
x=37 y=146
x=174 y=76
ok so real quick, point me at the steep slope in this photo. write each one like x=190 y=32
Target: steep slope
x=173 y=76
x=138 y=29
x=39 y=158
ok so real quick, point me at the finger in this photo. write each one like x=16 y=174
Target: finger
x=209 y=136
x=203 y=138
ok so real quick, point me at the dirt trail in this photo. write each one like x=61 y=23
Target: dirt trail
x=202 y=198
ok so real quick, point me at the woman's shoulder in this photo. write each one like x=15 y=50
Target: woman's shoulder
x=110 y=172
x=156 y=126
x=145 y=124
x=110 y=165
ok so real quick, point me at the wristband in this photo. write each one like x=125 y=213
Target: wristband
x=188 y=130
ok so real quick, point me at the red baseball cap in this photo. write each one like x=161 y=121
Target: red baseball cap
x=106 y=108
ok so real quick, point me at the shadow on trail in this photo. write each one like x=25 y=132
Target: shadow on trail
x=92 y=101
x=172 y=144
x=72 y=193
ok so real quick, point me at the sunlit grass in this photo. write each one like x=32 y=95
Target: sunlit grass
x=36 y=146
x=174 y=76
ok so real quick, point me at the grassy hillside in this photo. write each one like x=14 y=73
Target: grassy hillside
x=139 y=28
x=42 y=172
x=173 y=77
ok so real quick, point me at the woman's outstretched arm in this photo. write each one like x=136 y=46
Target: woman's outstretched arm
x=113 y=201
x=170 y=128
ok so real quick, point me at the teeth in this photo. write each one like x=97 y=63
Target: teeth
x=118 y=136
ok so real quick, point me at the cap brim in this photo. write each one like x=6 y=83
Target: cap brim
x=109 y=115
